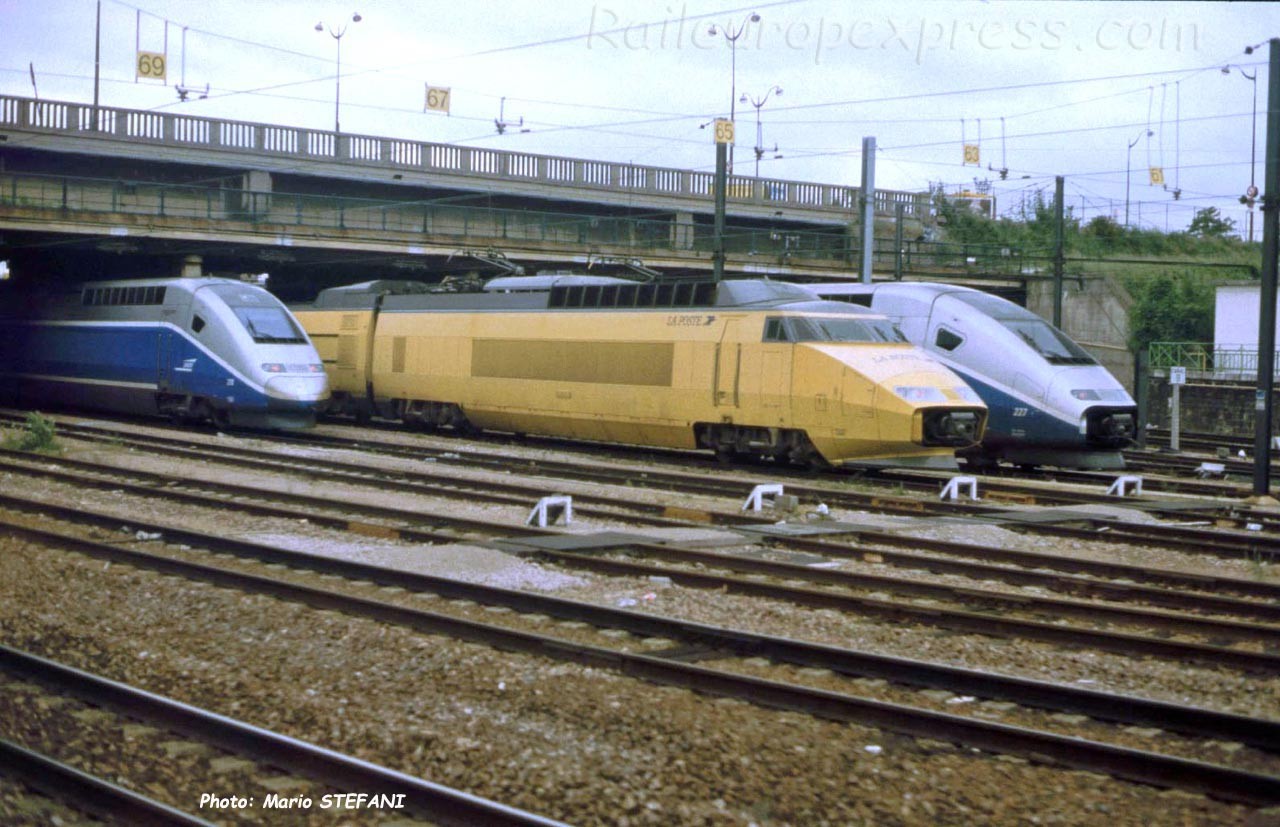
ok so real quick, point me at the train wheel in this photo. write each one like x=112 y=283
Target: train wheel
x=814 y=464
x=805 y=455
x=221 y=418
x=981 y=463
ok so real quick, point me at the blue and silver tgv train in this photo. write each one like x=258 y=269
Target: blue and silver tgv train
x=191 y=348
x=1049 y=401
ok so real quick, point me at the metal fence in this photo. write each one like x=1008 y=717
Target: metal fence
x=434 y=221
x=185 y=131
x=1207 y=360
x=442 y=221
x=945 y=258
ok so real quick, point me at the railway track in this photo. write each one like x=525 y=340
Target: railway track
x=1176 y=474
x=1252 y=545
x=982 y=563
x=999 y=494
x=84 y=793
x=106 y=711
x=962 y=607
x=1202 y=442
x=687 y=471
x=878 y=679
x=1007 y=485
x=685 y=648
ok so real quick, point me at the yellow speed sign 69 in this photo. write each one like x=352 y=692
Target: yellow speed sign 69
x=151 y=65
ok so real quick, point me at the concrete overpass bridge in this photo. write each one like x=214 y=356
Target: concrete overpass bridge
x=95 y=192
x=108 y=192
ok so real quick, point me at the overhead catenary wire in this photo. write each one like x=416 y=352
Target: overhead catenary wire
x=544 y=125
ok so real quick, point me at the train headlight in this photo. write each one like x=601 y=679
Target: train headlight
x=924 y=393
x=967 y=393
x=1088 y=395
x=280 y=367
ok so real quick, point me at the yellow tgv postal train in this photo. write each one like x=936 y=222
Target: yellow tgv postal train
x=744 y=367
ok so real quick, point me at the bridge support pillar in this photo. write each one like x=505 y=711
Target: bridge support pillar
x=682 y=231
x=257 y=192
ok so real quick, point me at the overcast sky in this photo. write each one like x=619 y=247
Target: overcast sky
x=1042 y=88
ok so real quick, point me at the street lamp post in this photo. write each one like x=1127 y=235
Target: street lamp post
x=337 y=34
x=1127 y=164
x=732 y=35
x=757 y=103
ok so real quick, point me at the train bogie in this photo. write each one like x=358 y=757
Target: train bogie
x=765 y=379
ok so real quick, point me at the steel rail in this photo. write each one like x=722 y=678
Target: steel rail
x=953 y=619
x=1208 y=588
x=439 y=485
x=1256 y=546
x=1164 y=536
x=687 y=482
x=408 y=523
x=1229 y=784
x=1225 y=544
x=89 y=793
x=700 y=640
x=442 y=804
x=692 y=483
x=1129 y=644
x=984 y=598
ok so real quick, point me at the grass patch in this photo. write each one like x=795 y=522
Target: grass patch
x=37 y=435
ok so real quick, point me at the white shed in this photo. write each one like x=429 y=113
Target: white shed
x=1235 y=316
x=1235 y=330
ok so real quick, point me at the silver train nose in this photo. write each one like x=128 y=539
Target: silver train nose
x=298 y=388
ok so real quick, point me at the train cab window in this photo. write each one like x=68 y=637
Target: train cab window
x=830 y=329
x=1049 y=342
x=197 y=324
x=269 y=325
x=863 y=299
x=262 y=315
x=947 y=340
x=1039 y=335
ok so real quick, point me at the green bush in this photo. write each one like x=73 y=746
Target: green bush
x=37 y=436
x=1170 y=308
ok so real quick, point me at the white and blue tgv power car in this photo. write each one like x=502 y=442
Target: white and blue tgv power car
x=1049 y=401
x=192 y=348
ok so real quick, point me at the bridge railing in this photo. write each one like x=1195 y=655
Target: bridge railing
x=945 y=258
x=434 y=222
x=143 y=127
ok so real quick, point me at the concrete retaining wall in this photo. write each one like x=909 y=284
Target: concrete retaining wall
x=1225 y=408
